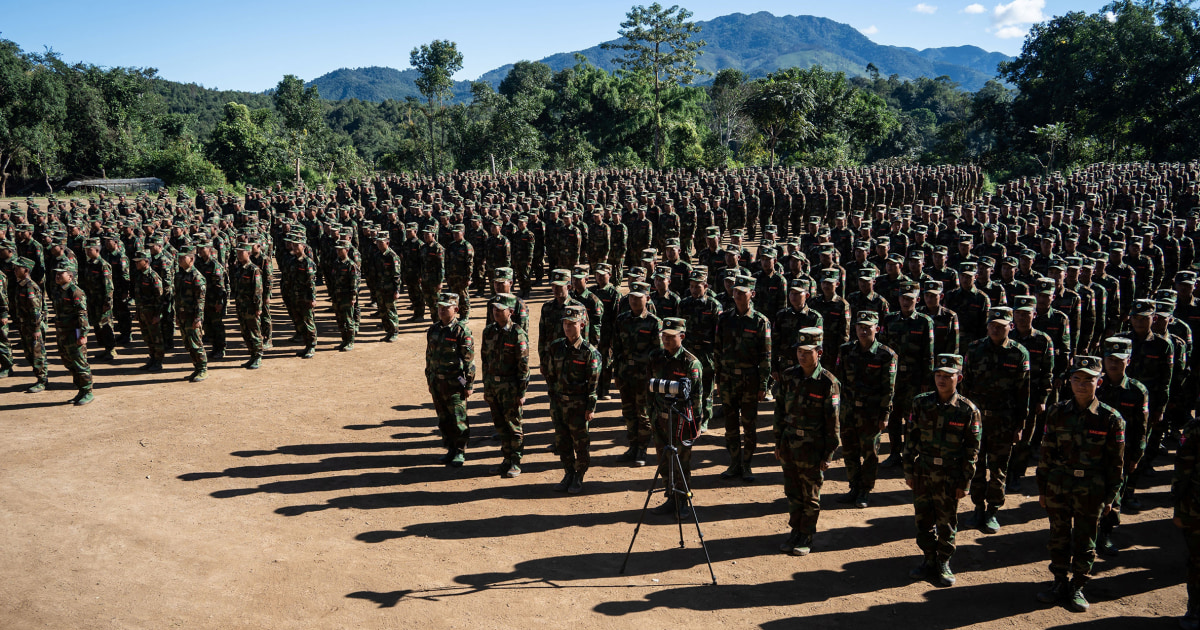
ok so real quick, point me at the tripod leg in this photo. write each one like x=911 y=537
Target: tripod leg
x=696 y=518
x=641 y=519
x=677 y=465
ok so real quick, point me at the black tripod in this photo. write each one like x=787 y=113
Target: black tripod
x=674 y=467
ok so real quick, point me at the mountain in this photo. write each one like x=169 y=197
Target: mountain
x=756 y=44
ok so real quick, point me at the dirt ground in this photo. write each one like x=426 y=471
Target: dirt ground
x=306 y=495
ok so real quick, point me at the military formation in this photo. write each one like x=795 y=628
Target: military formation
x=1047 y=324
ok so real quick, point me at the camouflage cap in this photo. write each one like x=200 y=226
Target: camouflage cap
x=603 y=268
x=899 y=260
x=800 y=285
x=560 y=276
x=674 y=325
x=411 y=226
x=575 y=313
x=1119 y=347
x=639 y=288
x=744 y=284
x=1024 y=303
x=1185 y=277
x=343 y=244
x=1010 y=261
x=1165 y=308
x=502 y=273
x=1142 y=307
x=949 y=363
x=91 y=242
x=504 y=301
x=24 y=262
x=186 y=250
x=1046 y=286
x=987 y=261
x=1088 y=365
x=140 y=254
x=968 y=268
x=910 y=289
x=830 y=275
x=447 y=299
x=867 y=273
x=673 y=242
x=933 y=286
x=1000 y=314
x=698 y=275
x=867 y=318
x=767 y=252
x=712 y=231
x=809 y=339
x=1169 y=295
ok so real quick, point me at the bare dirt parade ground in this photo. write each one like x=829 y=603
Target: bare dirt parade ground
x=306 y=495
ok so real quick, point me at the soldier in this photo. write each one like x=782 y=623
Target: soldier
x=71 y=329
x=505 y=360
x=743 y=364
x=1151 y=363
x=29 y=307
x=910 y=335
x=115 y=256
x=6 y=354
x=1131 y=399
x=550 y=320
x=344 y=276
x=388 y=286
x=572 y=369
x=867 y=371
x=190 y=293
x=216 y=299
x=635 y=337
x=770 y=288
x=996 y=378
x=523 y=243
x=945 y=321
x=450 y=374
x=590 y=301
x=672 y=362
x=303 y=297
x=1186 y=495
x=835 y=313
x=410 y=254
x=939 y=463
x=1078 y=476
x=1041 y=376
x=609 y=295
x=806 y=435
x=266 y=267
x=460 y=260
x=433 y=269
x=147 y=296
x=701 y=311
x=96 y=280
x=247 y=287
x=164 y=265
x=502 y=282
x=970 y=304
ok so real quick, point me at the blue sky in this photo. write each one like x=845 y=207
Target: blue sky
x=250 y=45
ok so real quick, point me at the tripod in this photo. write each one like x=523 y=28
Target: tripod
x=674 y=467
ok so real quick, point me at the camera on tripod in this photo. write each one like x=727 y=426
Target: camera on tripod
x=677 y=390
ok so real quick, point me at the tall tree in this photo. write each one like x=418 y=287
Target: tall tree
x=300 y=112
x=780 y=107
x=436 y=62
x=658 y=42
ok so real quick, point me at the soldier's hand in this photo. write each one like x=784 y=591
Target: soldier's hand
x=1042 y=500
x=824 y=466
x=3 y=321
x=1107 y=509
x=775 y=375
x=778 y=453
x=1178 y=522
x=1041 y=408
x=521 y=401
x=1016 y=436
x=468 y=393
x=587 y=416
x=312 y=304
x=762 y=395
x=196 y=324
x=960 y=494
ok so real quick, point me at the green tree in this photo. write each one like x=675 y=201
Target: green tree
x=658 y=42
x=300 y=112
x=436 y=62
x=242 y=148
x=780 y=106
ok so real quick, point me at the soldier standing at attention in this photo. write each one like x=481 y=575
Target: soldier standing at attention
x=673 y=363
x=189 y=311
x=71 y=328
x=344 y=294
x=247 y=288
x=910 y=335
x=216 y=282
x=460 y=261
x=996 y=378
x=266 y=267
x=1041 y=375
x=939 y=463
x=1078 y=476
x=505 y=361
x=835 y=314
x=304 y=297
x=433 y=269
x=743 y=365
x=410 y=253
x=95 y=278
x=806 y=435
x=388 y=286
x=572 y=369
x=29 y=306
x=867 y=371
x=636 y=336
x=503 y=283
x=147 y=290
x=1130 y=398
x=450 y=374
x=609 y=295
x=701 y=311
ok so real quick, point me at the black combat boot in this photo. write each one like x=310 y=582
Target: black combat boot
x=576 y=483
x=748 y=472
x=921 y=571
x=793 y=538
x=1056 y=592
x=566 y=482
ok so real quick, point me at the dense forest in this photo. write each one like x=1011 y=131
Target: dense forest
x=1118 y=84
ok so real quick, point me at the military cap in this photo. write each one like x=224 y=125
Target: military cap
x=504 y=300
x=828 y=248
x=830 y=275
x=674 y=325
x=933 y=286
x=457 y=227
x=636 y=272
x=966 y=238
x=733 y=249
x=744 y=283
x=383 y=236
x=673 y=242
x=867 y=318
x=910 y=289
x=1185 y=277
x=1010 y=261
x=92 y=242
x=862 y=245
x=800 y=285
x=1046 y=286
x=712 y=231
x=698 y=275
x=411 y=226
x=579 y=274
x=1164 y=307
x=575 y=313
x=768 y=252
x=968 y=267
x=1000 y=313
x=987 y=261
x=447 y=299
x=1024 y=303
x=1167 y=295
x=63 y=267
x=503 y=273
x=639 y=288
x=342 y=244
x=22 y=261
x=809 y=338
x=1057 y=263
x=738 y=233
x=244 y=247
x=940 y=249
x=949 y=363
x=1119 y=347
x=899 y=260
x=1087 y=365
x=429 y=229
x=604 y=268
x=187 y=250
x=1028 y=253
x=867 y=273
x=1142 y=307
x=560 y=275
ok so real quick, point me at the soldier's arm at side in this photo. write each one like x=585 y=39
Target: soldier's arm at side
x=832 y=404
x=1114 y=467
x=972 y=439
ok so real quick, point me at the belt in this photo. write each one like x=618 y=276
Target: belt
x=1079 y=473
x=799 y=432
x=937 y=461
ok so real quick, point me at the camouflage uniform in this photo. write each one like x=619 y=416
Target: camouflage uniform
x=165 y=267
x=806 y=435
x=95 y=278
x=460 y=258
x=147 y=296
x=433 y=272
x=701 y=315
x=387 y=288
x=1186 y=492
x=911 y=338
x=450 y=374
x=996 y=378
x=679 y=365
x=303 y=292
x=572 y=371
x=742 y=357
x=634 y=339
x=411 y=258
x=868 y=378
x=216 y=299
x=71 y=327
x=247 y=288
x=1040 y=348
x=29 y=306
x=505 y=360
x=344 y=295
x=189 y=309
x=1131 y=400
x=943 y=448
